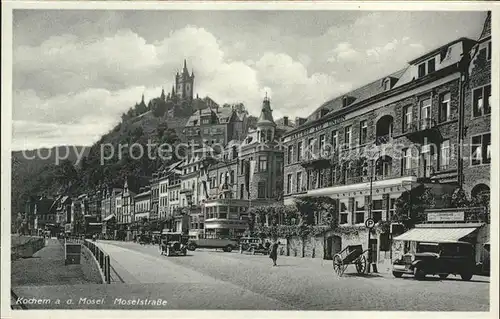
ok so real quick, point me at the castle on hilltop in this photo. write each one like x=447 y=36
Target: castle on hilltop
x=183 y=88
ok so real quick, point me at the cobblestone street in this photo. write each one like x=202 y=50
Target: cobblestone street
x=307 y=284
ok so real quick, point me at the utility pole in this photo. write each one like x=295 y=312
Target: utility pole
x=369 y=217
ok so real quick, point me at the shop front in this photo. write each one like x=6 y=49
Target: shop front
x=448 y=225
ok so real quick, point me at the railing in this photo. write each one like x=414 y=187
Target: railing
x=383 y=139
x=421 y=125
x=102 y=258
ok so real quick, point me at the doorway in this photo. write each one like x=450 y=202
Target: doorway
x=333 y=246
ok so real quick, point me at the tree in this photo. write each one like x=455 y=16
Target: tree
x=410 y=206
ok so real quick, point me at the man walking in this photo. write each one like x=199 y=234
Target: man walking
x=273 y=254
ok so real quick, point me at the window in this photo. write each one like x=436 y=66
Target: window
x=425 y=113
x=421 y=70
x=481 y=149
x=299 y=151
x=322 y=140
x=242 y=191
x=481 y=101
x=363 y=132
x=431 y=66
x=360 y=211
x=262 y=163
x=444 y=108
x=445 y=155
x=426 y=161
x=232 y=177
x=335 y=139
x=290 y=154
x=407 y=162
x=261 y=190
x=488 y=56
x=407 y=112
x=347 y=136
x=343 y=212
x=289 y=184
x=310 y=144
x=387 y=84
x=299 y=181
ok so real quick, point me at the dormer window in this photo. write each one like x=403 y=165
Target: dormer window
x=323 y=112
x=387 y=84
x=426 y=67
x=344 y=101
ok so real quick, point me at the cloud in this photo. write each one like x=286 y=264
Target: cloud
x=343 y=52
x=65 y=82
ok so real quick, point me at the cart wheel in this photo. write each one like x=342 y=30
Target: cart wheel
x=338 y=266
x=361 y=265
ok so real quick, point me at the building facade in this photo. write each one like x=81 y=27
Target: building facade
x=477 y=116
x=376 y=142
x=142 y=204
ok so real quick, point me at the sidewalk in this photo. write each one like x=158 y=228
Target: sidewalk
x=46 y=267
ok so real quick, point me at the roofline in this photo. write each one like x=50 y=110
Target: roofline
x=374 y=99
x=436 y=50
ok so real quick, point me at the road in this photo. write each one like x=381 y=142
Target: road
x=306 y=284
x=208 y=279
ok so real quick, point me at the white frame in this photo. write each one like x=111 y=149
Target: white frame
x=481 y=148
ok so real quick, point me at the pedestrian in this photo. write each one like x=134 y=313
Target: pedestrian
x=273 y=254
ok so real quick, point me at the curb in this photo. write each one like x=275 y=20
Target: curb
x=101 y=272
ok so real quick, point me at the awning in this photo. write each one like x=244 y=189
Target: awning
x=435 y=234
x=109 y=217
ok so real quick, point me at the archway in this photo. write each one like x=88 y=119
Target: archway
x=384 y=129
x=480 y=195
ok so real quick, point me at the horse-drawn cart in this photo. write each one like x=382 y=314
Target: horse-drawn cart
x=351 y=255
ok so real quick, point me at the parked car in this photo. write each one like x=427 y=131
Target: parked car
x=254 y=246
x=226 y=245
x=442 y=259
x=173 y=244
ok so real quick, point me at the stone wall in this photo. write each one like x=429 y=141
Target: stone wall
x=25 y=247
x=90 y=266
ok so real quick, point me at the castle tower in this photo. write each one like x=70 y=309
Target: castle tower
x=184 y=83
x=265 y=124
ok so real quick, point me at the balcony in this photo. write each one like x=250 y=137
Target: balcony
x=384 y=139
x=186 y=191
x=424 y=128
x=318 y=160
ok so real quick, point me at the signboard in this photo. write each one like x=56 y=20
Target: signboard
x=369 y=223
x=72 y=253
x=445 y=217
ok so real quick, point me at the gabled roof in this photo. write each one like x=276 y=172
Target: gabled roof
x=487 y=27
x=362 y=93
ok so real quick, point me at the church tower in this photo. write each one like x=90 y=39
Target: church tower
x=184 y=84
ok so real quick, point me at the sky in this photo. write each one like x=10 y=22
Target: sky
x=76 y=71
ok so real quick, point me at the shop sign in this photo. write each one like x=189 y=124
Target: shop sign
x=445 y=217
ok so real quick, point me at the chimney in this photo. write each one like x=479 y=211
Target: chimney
x=285 y=121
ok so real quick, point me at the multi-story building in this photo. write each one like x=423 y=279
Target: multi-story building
x=120 y=219
x=155 y=196
x=368 y=146
x=128 y=204
x=63 y=211
x=45 y=215
x=476 y=119
x=244 y=175
x=217 y=126
x=163 y=203
x=142 y=204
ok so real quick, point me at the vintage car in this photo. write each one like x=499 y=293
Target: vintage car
x=253 y=245
x=225 y=244
x=442 y=259
x=173 y=244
